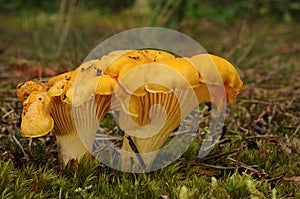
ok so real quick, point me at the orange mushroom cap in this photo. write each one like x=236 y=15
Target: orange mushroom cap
x=36 y=119
x=25 y=89
x=217 y=71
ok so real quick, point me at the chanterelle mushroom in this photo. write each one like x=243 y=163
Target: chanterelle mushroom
x=64 y=104
x=156 y=89
x=152 y=92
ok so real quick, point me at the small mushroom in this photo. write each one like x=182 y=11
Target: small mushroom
x=36 y=119
x=70 y=106
x=156 y=91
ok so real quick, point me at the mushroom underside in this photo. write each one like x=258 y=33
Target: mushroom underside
x=147 y=130
x=75 y=127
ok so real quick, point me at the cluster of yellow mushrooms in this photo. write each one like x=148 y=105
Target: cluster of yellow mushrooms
x=142 y=85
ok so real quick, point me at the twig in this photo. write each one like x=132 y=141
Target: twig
x=183 y=133
x=296 y=131
x=254 y=101
x=292 y=179
x=21 y=147
x=219 y=155
x=215 y=166
x=108 y=138
x=135 y=150
x=250 y=168
x=66 y=26
x=262 y=136
x=239 y=156
x=273 y=179
x=30 y=145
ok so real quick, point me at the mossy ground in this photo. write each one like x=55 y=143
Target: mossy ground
x=258 y=157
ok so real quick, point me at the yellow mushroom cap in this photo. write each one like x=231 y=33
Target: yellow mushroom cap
x=106 y=85
x=149 y=71
x=217 y=71
x=119 y=63
x=24 y=89
x=60 y=78
x=36 y=119
x=86 y=82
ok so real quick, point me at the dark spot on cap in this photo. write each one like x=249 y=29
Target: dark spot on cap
x=20 y=85
x=99 y=71
x=64 y=97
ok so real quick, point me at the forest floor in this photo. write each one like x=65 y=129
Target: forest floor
x=259 y=155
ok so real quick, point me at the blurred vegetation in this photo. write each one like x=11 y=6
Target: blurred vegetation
x=172 y=11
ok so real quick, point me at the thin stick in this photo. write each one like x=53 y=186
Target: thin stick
x=273 y=179
x=8 y=113
x=243 y=165
x=183 y=133
x=21 y=147
x=135 y=150
x=296 y=131
x=239 y=156
x=254 y=101
x=219 y=155
x=215 y=166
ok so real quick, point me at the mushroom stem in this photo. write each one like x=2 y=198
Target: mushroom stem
x=69 y=144
x=70 y=147
x=147 y=148
x=161 y=114
x=75 y=133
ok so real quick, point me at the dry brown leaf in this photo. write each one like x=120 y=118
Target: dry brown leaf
x=25 y=71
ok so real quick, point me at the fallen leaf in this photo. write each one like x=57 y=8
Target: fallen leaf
x=25 y=71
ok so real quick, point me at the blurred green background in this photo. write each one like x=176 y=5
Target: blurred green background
x=53 y=27
x=226 y=11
